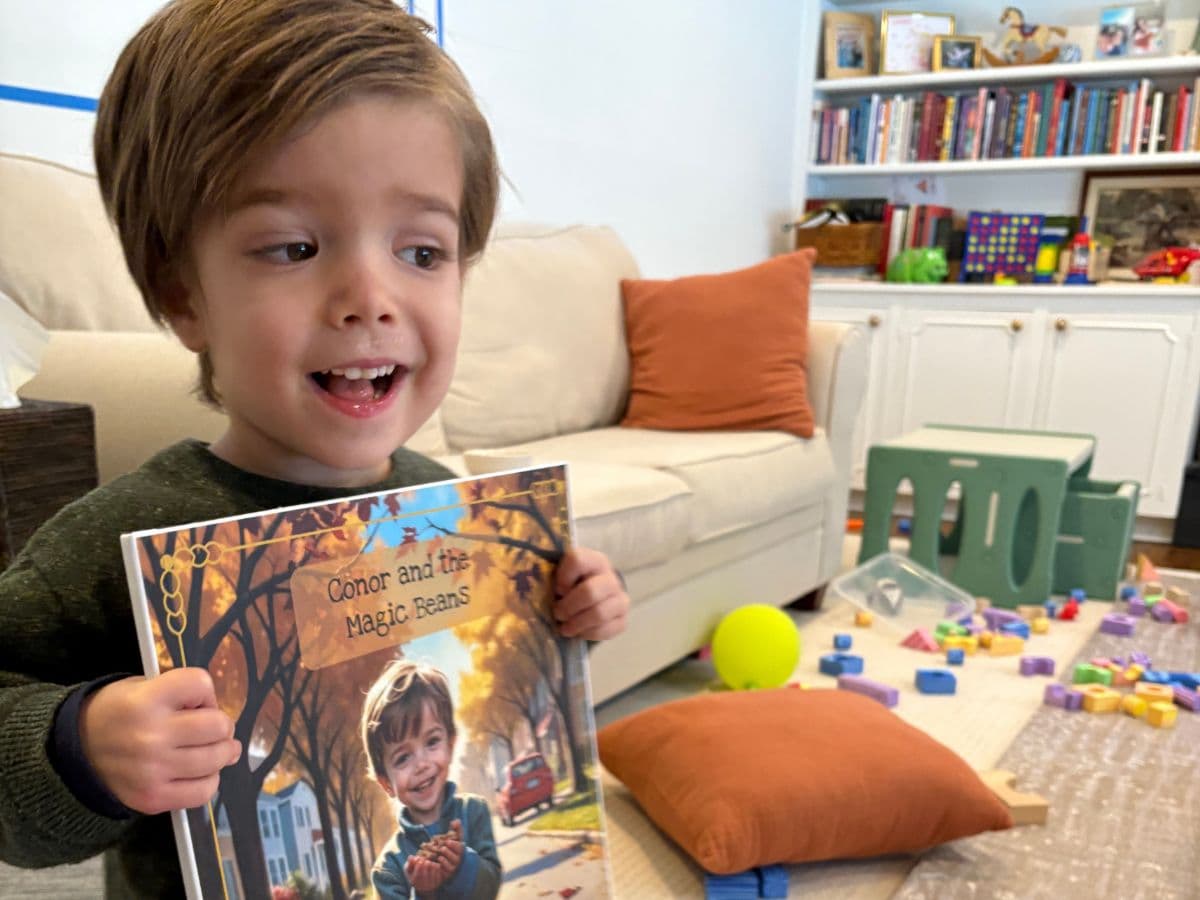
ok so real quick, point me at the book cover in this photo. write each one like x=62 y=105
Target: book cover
x=315 y=623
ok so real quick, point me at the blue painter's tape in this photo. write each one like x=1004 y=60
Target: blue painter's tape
x=47 y=98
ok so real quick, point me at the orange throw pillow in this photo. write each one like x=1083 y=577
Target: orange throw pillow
x=721 y=352
x=746 y=779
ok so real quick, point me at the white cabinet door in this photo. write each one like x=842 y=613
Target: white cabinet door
x=875 y=324
x=964 y=367
x=1131 y=380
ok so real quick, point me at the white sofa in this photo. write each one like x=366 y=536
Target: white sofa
x=698 y=522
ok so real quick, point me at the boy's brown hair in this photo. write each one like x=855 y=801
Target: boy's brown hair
x=394 y=704
x=206 y=83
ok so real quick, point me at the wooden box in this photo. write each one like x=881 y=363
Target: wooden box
x=838 y=246
x=47 y=459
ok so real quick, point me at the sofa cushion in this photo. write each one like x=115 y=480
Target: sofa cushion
x=542 y=349
x=638 y=516
x=737 y=479
x=721 y=351
x=61 y=259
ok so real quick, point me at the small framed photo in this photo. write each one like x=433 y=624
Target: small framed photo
x=849 y=44
x=1141 y=211
x=1149 y=34
x=1138 y=29
x=906 y=40
x=957 y=51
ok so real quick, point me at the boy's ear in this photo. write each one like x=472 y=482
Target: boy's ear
x=179 y=303
x=386 y=785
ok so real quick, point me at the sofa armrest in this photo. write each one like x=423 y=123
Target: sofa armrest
x=837 y=379
x=139 y=385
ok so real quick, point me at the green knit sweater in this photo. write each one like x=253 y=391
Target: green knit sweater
x=66 y=619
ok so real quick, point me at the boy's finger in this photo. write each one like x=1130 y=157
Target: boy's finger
x=577 y=564
x=185 y=688
x=200 y=727
x=590 y=621
x=200 y=762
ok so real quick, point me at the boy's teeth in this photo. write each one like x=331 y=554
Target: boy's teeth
x=354 y=373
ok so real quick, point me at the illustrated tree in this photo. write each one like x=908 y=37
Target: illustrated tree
x=520 y=530
x=221 y=600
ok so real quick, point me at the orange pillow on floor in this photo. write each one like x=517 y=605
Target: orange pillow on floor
x=751 y=778
x=721 y=352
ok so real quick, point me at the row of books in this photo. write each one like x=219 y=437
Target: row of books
x=1056 y=119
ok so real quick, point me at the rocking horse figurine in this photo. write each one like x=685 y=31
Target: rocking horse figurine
x=1023 y=45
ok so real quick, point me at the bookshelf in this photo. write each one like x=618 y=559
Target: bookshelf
x=1021 y=356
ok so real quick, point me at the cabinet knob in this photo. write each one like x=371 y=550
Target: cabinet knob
x=1017 y=324
x=1060 y=324
x=874 y=321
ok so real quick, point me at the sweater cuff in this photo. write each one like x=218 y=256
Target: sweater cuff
x=56 y=827
x=65 y=751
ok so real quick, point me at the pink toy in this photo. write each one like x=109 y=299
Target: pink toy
x=921 y=639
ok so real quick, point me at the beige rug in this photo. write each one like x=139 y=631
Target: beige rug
x=993 y=703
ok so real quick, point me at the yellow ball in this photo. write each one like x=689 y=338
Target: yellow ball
x=755 y=646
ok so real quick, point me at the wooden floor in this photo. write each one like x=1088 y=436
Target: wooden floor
x=1167 y=556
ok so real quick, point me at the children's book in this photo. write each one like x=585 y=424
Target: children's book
x=388 y=660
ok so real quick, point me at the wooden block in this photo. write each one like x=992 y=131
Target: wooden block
x=863 y=618
x=1100 y=699
x=967 y=643
x=1162 y=715
x=1178 y=596
x=1154 y=693
x=1041 y=624
x=1026 y=809
x=1030 y=612
x=1145 y=569
x=1006 y=645
x=982 y=603
x=1134 y=706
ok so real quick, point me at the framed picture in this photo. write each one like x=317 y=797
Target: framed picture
x=1138 y=29
x=1149 y=34
x=955 y=52
x=849 y=44
x=906 y=40
x=1141 y=211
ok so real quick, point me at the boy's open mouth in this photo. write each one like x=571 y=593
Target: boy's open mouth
x=358 y=385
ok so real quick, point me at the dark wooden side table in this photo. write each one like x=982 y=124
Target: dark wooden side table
x=47 y=459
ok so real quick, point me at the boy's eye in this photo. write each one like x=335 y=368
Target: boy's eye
x=295 y=251
x=422 y=257
x=400 y=760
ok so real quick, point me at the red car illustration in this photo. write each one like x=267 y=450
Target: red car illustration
x=1169 y=263
x=528 y=783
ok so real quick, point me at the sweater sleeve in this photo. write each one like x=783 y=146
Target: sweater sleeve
x=478 y=876
x=65 y=620
x=42 y=823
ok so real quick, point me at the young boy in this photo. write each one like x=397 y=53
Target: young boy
x=298 y=186
x=408 y=734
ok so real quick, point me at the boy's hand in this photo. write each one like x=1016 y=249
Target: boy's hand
x=592 y=603
x=159 y=744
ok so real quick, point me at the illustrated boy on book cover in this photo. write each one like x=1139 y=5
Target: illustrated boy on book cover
x=414 y=724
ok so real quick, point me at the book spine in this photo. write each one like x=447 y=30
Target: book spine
x=981 y=108
x=1022 y=122
x=1113 y=144
x=1055 y=114
x=948 y=128
x=1045 y=107
x=888 y=212
x=1139 y=115
x=1033 y=118
x=872 y=130
x=1194 y=131
x=1182 y=119
x=1156 y=110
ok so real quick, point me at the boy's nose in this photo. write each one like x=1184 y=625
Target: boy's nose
x=363 y=294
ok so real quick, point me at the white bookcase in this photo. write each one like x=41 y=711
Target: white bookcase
x=1120 y=361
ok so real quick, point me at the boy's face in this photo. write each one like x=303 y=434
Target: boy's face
x=327 y=295
x=416 y=767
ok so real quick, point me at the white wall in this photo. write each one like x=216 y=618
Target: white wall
x=671 y=120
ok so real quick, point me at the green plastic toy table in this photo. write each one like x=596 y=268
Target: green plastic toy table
x=1013 y=489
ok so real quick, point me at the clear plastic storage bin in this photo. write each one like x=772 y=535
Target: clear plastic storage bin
x=901 y=594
